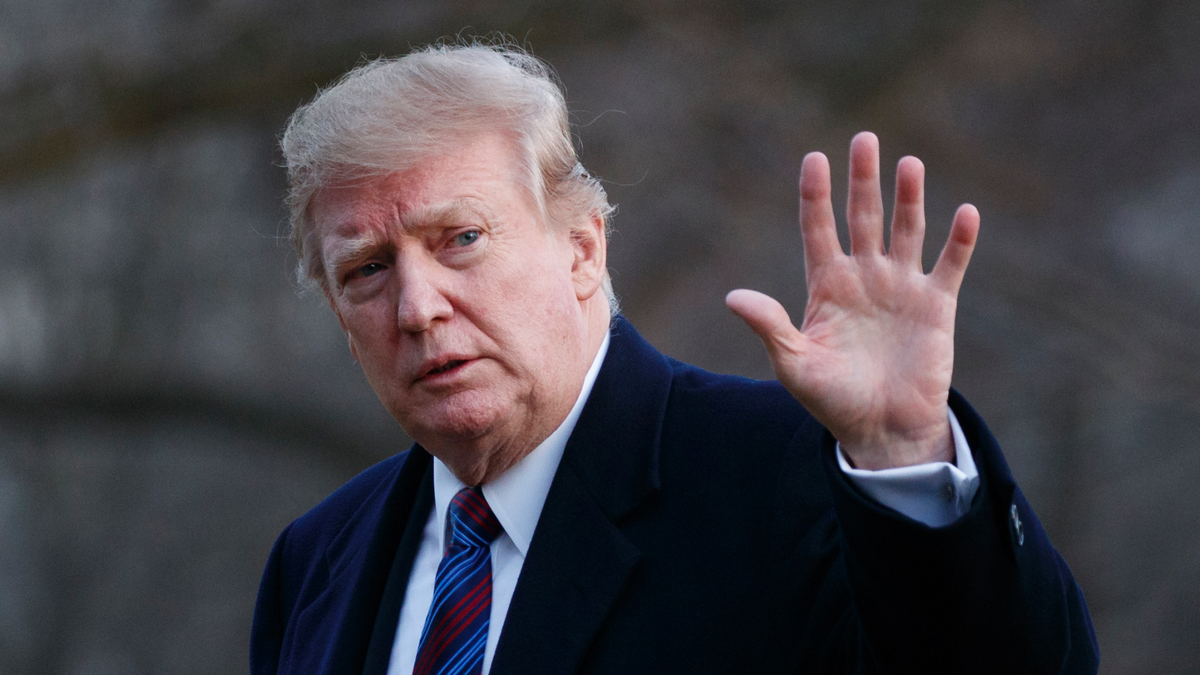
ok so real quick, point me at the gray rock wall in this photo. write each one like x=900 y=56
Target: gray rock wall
x=169 y=401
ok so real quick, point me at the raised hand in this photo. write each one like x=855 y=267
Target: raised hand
x=873 y=359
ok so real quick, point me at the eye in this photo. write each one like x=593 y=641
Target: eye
x=369 y=269
x=466 y=238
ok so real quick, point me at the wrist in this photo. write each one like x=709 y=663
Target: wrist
x=894 y=451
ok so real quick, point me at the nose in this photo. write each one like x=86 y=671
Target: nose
x=421 y=300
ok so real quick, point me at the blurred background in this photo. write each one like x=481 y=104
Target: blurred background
x=169 y=400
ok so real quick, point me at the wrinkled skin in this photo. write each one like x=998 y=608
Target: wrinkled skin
x=873 y=358
x=474 y=321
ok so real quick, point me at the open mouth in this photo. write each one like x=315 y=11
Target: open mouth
x=448 y=366
x=444 y=368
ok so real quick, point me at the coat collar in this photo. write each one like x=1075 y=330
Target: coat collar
x=579 y=559
x=615 y=445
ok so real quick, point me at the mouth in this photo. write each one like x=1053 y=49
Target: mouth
x=441 y=369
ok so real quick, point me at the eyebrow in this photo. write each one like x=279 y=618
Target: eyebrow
x=350 y=248
x=458 y=209
x=347 y=249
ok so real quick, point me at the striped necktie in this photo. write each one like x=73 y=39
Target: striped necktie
x=456 y=629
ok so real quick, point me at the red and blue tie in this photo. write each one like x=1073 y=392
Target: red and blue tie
x=456 y=629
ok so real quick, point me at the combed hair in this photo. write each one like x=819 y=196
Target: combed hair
x=388 y=114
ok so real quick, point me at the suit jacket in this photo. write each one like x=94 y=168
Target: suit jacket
x=697 y=523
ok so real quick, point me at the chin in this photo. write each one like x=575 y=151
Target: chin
x=461 y=418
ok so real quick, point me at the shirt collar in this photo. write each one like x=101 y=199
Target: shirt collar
x=517 y=495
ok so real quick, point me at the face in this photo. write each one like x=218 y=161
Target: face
x=472 y=320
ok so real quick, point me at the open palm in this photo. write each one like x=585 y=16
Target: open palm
x=873 y=358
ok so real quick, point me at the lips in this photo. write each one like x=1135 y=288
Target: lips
x=441 y=369
x=436 y=368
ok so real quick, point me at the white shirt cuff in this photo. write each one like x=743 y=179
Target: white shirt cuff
x=936 y=494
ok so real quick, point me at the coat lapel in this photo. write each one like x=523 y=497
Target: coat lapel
x=360 y=559
x=387 y=617
x=579 y=560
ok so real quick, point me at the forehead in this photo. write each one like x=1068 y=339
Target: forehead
x=482 y=174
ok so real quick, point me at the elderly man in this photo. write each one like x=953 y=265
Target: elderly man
x=577 y=502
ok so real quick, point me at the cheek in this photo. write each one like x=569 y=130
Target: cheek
x=370 y=330
x=542 y=322
x=538 y=306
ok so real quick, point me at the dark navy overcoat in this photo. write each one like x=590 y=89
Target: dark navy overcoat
x=698 y=523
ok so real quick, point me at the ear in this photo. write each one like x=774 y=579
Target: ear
x=342 y=322
x=590 y=248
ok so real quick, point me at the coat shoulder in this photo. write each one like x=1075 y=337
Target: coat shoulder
x=321 y=524
x=745 y=437
x=760 y=412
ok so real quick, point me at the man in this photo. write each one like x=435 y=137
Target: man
x=576 y=502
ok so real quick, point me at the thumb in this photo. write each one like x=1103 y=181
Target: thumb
x=767 y=318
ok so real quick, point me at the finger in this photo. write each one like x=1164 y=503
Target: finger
x=864 y=209
x=908 y=215
x=952 y=264
x=768 y=319
x=818 y=228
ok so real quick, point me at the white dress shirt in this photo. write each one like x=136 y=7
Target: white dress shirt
x=935 y=494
